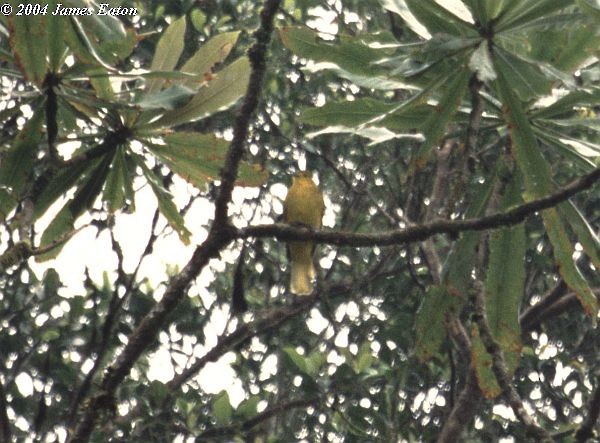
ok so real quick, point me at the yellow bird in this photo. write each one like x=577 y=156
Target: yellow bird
x=303 y=204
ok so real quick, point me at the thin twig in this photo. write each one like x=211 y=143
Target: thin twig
x=273 y=411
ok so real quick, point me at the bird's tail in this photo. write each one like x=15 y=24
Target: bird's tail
x=302 y=273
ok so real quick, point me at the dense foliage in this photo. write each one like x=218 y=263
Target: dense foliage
x=456 y=143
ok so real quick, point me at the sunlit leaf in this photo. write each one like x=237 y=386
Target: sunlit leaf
x=168 y=50
x=222 y=409
x=198 y=158
x=210 y=53
x=221 y=92
x=524 y=11
x=294 y=359
x=439 y=20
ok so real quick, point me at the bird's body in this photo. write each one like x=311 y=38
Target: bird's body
x=303 y=204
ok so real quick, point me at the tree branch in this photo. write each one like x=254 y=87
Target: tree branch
x=422 y=232
x=227 y=431
x=270 y=320
x=462 y=412
x=220 y=235
x=501 y=372
x=257 y=56
x=533 y=317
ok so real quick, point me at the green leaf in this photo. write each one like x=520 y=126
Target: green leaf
x=563 y=255
x=7 y=203
x=211 y=53
x=505 y=277
x=591 y=7
x=538 y=183
x=198 y=19
x=525 y=78
x=524 y=144
x=576 y=46
x=56 y=44
x=481 y=361
x=504 y=284
x=436 y=123
x=101 y=26
x=115 y=189
x=314 y=363
x=524 y=11
x=479 y=10
x=439 y=20
x=26 y=34
x=84 y=198
x=376 y=134
x=17 y=162
x=458 y=268
x=167 y=99
x=430 y=326
x=220 y=93
x=293 y=360
x=565 y=150
x=198 y=158
x=165 y=202
x=60 y=226
x=364 y=359
x=168 y=50
x=565 y=105
x=61 y=183
x=248 y=408
x=350 y=54
x=357 y=112
x=50 y=334
x=222 y=409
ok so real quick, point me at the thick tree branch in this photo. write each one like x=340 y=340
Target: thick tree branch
x=220 y=235
x=501 y=372
x=422 y=232
x=257 y=56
